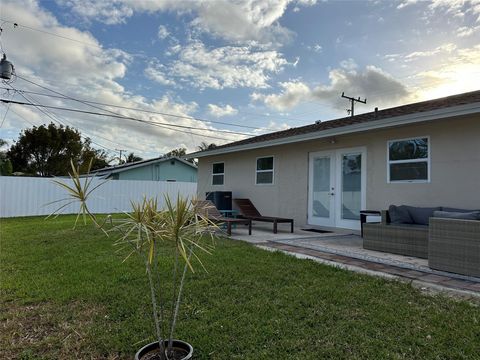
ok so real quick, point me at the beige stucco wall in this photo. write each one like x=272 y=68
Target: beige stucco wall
x=455 y=170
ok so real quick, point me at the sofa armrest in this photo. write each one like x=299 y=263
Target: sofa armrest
x=385 y=217
x=454 y=246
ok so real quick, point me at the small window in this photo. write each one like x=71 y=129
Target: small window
x=409 y=160
x=218 y=173
x=264 y=171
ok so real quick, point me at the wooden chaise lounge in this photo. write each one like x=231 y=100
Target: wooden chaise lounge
x=210 y=211
x=249 y=211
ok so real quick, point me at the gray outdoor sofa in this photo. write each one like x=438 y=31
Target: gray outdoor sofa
x=449 y=244
x=402 y=239
x=454 y=246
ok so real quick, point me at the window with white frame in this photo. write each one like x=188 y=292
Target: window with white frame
x=409 y=160
x=218 y=173
x=264 y=170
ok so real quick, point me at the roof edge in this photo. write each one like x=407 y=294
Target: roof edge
x=431 y=115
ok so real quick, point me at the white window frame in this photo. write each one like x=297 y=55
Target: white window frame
x=265 y=171
x=427 y=160
x=214 y=174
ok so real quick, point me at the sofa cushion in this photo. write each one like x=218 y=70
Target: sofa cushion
x=421 y=215
x=474 y=215
x=447 y=209
x=399 y=215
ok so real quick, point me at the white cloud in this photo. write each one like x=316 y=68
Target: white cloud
x=379 y=87
x=348 y=64
x=455 y=8
x=315 y=48
x=292 y=93
x=156 y=72
x=222 y=67
x=459 y=72
x=239 y=20
x=163 y=32
x=220 y=111
x=406 y=3
x=445 y=48
x=94 y=73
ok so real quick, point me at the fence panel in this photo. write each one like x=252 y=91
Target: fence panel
x=29 y=196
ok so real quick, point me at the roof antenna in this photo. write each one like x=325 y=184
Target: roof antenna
x=352 y=100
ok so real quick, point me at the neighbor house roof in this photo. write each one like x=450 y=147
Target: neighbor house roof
x=456 y=105
x=128 y=166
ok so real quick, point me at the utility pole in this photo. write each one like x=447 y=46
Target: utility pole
x=120 y=157
x=352 y=100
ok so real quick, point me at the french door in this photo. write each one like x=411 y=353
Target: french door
x=337 y=184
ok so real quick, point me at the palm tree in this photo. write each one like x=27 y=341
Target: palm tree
x=204 y=146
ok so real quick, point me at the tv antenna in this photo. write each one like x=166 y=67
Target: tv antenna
x=352 y=100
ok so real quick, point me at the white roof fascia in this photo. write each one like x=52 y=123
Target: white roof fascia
x=113 y=170
x=365 y=126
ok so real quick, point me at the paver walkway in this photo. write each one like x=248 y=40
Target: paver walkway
x=427 y=278
x=345 y=249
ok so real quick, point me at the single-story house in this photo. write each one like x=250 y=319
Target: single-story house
x=158 y=169
x=324 y=174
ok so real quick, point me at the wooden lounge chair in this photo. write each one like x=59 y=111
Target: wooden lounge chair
x=209 y=210
x=249 y=211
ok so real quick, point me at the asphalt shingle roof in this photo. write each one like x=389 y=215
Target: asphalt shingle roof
x=436 y=104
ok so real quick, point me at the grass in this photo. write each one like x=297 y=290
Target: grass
x=65 y=294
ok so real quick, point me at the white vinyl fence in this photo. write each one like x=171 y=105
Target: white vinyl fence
x=29 y=196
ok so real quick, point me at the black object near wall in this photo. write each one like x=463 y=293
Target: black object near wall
x=221 y=199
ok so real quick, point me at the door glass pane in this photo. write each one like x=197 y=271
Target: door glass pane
x=321 y=187
x=351 y=186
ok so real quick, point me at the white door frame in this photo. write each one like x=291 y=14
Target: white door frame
x=330 y=221
x=335 y=219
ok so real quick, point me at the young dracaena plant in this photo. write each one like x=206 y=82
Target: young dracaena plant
x=148 y=232
x=78 y=192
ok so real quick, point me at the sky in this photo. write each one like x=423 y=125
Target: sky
x=226 y=70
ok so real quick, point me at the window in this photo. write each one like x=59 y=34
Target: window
x=409 y=160
x=218 y=173
x=264 y=171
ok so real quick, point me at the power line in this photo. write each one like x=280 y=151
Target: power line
x=90 y=136
x=114 y=116
x=50 y=33
x=55 y=119
x=132 y=118
x=130 y=108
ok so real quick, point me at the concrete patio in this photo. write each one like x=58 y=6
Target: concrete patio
x=344 y=248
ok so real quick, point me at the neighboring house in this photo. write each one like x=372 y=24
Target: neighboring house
x=423 y=154
x=158 y=169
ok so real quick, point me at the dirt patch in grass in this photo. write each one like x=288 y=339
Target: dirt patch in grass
x=48 y=331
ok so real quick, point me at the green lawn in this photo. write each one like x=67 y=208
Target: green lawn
x=65 y=294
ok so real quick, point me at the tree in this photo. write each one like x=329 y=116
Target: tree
x=47 y=151
x=180 y=152
x=133 y=158
x=204 y=146
x=5 y=163
x=100 y=157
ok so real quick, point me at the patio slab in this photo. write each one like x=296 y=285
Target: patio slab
x=344 y=248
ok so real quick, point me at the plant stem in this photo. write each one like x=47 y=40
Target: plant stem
x=177 y=303
x=174 y=287
x=161 y=345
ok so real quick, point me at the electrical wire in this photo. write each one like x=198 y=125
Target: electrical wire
x=49 y=33
x=117 y=115
x=55 y=119
x=113 y=116
x=130 y=108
